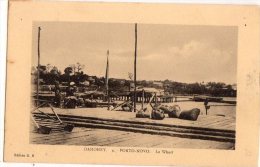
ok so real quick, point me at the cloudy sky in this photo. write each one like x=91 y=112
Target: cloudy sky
x=179 y=53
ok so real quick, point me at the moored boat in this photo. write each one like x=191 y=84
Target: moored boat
x=209 y=98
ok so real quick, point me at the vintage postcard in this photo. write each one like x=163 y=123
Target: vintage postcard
x=132 y=84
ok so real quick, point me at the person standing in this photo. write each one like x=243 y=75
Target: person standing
x=70 y=100
x=57 y=92
x=70 y=89
x=206 y=105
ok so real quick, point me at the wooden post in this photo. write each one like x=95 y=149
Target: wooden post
x=107 y=79
x=38 y=67
x=37 y=125
x=135 y=67
x=155 y=99
x=142 y=99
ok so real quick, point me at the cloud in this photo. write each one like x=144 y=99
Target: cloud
x=181 y=53
x=192 y=61
x=151 y=56
x=192 y=48
x=200 y=52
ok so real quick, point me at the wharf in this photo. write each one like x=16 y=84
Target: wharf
x=217 y=131
x=204 y=121
x=113 y=138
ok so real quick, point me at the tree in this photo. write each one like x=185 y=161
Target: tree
x=68 y=70
x=79 y=67
x=43 y=70
x=34 y=75
x=48 y=67
x=73 y=68
x=33 y=70
x=55 y=71
x=130 y=76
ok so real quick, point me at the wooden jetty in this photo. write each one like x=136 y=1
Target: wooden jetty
x=115 y=138
x=208 y=128
x=93 y=136
x=128 y=96
x=150 y=128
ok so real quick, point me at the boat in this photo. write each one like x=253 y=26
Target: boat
x=209 y=98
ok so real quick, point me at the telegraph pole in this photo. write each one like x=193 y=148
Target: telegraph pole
x=107 y=79
x=38 y=66
x=135 y=67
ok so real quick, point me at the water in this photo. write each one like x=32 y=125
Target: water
x=221 y=108
x=230 y=98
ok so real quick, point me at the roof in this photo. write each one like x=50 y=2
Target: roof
x=148 y=90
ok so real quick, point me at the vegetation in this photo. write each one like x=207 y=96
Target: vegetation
x=74 y=73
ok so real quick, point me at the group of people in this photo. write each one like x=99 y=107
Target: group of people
x=70 y=101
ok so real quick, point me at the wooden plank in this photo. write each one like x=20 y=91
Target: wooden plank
x=41 y=136
x=221 y=123
x=65 y=139
x=126 y=116
x=224 y=123
x=100 y=137
x=58 y=136
x=103 y=138
x=210 y=124
x=147 y=141
x=231 y=126
x=88 y=134
x=171 y=142
x=202 y=144
x=111 y=141
x=128 y=143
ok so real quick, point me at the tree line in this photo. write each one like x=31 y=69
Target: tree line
x=74 y=73
x=210 y=88
x=50 y=74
